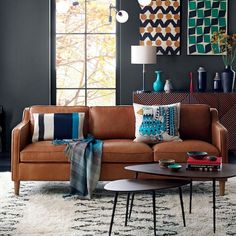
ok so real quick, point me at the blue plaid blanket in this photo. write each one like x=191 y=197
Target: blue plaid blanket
x=85 y=157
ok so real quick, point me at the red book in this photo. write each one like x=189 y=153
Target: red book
x=204 y=161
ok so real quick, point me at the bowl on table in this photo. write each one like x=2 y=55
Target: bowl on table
x=211 y=158
x=174 y=167
x=164 y=163
x=197 y=154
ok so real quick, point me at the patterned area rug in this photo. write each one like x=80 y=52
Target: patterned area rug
x=46 y=208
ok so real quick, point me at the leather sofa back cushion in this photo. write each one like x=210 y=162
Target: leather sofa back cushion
x=60 y=109
x=195 y=122
x=112 y=122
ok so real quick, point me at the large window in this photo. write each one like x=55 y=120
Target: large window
x=85 y=53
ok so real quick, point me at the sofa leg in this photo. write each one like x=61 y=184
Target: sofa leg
x=17 y=187
x=222 y=187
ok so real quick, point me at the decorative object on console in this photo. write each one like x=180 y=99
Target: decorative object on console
x=51 y=126
x=191 y=89
x=201 y=79
x=168 y=88
x=121 y=15
x=143 y=55
x=160 y=26
x=226 y=45
x=157 y=123
x=217 y=83
x=158 y=84
x=228 y=79
x=205 y=17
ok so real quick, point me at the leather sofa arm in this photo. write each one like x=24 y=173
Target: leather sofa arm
x=19 y=139
x=219 y=135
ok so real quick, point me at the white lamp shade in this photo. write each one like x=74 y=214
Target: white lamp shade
x=143 y=55
x=122 y=16
x=144 y=2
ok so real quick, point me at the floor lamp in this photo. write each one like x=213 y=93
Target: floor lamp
x=143 y=55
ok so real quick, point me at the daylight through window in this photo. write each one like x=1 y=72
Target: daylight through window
x=85 y=53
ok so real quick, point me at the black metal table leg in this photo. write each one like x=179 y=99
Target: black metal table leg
x=182 y=205
x=214 y=205
x=154 y=210
x=191 y=194
x=113 y=212
x=132 y=198
x=127 y=208
x=131 y=205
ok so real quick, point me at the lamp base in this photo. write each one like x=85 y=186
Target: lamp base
x=143 y=91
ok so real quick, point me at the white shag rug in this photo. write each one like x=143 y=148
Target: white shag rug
x=47 y=208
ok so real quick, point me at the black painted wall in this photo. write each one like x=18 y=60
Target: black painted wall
x=25 y=57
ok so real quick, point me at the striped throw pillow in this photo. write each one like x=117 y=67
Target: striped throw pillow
x=51 y=126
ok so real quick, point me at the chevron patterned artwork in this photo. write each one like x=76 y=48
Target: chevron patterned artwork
x=160 y=26
x=204 y=18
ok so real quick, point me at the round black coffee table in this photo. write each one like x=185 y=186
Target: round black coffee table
x=139 y=185
x=228 y=171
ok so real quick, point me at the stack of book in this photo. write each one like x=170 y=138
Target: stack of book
x=204 y=164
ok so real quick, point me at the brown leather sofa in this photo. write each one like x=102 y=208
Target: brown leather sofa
x=115 y=125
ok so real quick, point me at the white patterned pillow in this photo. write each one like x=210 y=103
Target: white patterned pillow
x=157 y=123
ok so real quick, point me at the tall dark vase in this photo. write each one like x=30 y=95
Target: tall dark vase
x=228 y=79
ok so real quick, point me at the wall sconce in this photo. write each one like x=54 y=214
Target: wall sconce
x=121 y=16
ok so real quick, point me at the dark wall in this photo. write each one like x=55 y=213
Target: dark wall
x=24 y=58
x=175 y=68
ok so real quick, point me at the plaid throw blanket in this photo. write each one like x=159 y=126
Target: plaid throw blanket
x=85 y=157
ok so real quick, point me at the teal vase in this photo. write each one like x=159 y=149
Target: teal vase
x=158 y=85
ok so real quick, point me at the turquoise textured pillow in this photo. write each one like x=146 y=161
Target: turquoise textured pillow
x=157 y=123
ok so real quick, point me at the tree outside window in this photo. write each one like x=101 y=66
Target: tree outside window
x=85 y=53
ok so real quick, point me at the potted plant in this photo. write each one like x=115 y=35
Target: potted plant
x=225 y=44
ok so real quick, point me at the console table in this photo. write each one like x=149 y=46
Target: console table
x=225 y=103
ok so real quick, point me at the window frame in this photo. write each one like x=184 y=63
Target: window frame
x=53 y=88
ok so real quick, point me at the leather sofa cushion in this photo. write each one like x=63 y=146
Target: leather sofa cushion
x=43 y=151
x=116 y=150
x=178 y=150
x=125 y=150
x=114 y=122
x=60 y=109
x=195 y=122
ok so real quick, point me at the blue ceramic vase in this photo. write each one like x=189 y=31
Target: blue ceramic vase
x=158 y=85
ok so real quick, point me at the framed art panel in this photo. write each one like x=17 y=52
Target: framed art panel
x=204 y=18
x=160 y=26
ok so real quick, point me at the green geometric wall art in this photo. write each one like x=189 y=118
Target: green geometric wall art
x=204 y=18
